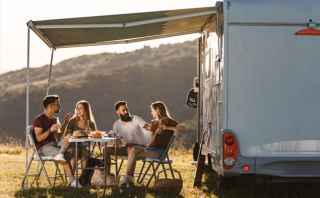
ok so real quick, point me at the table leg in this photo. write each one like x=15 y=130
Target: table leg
x=105 y=163
x=116 y=158
x=76 y=175
x=105 y=167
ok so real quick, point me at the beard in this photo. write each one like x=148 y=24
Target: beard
x=126 y=117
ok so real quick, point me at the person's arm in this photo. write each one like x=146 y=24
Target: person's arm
x=171 y=128
x=66 y=120
x=114 y=131
x=68 y=131
x=168 y=124
x=140 y=121
x=41 y=136
x=177 y=128
x=93 y=126
x=147 y=126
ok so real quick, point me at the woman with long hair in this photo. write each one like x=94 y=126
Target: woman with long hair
x=82 y=122
x=80 y=125
x=162 y=126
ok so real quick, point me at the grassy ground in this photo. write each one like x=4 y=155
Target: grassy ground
x=12 y=167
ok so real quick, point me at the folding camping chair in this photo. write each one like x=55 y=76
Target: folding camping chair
x=155 y=163
x=38 y=157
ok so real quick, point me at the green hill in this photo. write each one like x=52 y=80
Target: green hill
x=140 y=77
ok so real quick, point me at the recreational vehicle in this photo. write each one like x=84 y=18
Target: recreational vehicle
x=258 y=96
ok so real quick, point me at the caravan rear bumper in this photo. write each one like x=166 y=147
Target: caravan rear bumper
x=283 y=167
x=288 y=166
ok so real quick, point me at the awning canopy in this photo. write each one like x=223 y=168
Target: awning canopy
x=124 y=28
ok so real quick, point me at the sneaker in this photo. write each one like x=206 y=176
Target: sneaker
x=59 y=157
x=73 y=184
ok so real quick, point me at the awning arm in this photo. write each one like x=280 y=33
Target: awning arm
x=50 y=71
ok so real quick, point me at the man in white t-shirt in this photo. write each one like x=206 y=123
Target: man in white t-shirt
x=130 y=128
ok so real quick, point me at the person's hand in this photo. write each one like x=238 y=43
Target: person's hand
x=55 y=128
x=77 y=133
x=67 y=117
x=162 y=127
x=147 y=126
x=110 y=133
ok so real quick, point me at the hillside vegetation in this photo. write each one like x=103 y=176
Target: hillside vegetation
x=140 y=77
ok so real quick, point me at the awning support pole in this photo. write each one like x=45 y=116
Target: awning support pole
x=50 y=71
x=27 y=100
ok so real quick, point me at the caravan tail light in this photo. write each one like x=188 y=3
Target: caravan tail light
x=246 y=168
x=230 y=149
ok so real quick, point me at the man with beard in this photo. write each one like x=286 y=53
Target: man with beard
x=45 y=127
x=130 y=129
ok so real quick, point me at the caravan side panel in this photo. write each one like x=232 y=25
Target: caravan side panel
x=273 y=79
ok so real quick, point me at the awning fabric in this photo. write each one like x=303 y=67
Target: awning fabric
x=124 y=28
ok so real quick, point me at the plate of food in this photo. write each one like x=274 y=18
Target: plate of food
x=96 y=134
x=79 y=134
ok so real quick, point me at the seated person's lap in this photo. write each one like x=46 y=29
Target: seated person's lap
x=50 y=149
x=121 y=151
x=151 y=152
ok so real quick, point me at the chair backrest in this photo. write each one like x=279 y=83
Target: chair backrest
x=164 y=154
x=32 y=143
x=30 y=135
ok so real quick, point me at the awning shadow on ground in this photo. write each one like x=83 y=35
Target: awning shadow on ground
x=67 y=192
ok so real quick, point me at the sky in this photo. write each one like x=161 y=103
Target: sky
x=15 y=13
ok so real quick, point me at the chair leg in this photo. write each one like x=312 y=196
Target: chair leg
x=45 y=172
x=27 y=171
x=99 y=146
x=60 y=173
x=93 y=147
x=120 y=166
x=119 y=169
x=55 y=175
x=164 y=170
x=36 y=178
x=140 y=173
x=171 y=170
x=155 y=169
x=65 y=174
x=146 y=172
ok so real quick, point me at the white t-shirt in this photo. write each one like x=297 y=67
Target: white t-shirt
x=132 y=132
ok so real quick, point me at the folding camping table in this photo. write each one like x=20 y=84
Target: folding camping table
x=104 y=141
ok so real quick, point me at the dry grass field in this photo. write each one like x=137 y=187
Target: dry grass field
x=12 y=168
